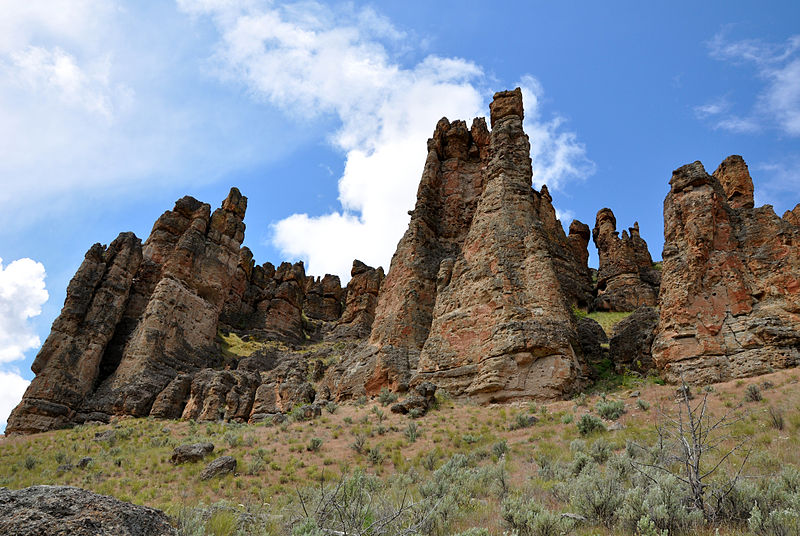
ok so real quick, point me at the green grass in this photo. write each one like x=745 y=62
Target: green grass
x=608 y=320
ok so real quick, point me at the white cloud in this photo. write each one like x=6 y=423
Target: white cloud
x=777 y=183
x=12 y=387
x=22 y=294
x=311 y=61
x=778 y=100
x=98 y=101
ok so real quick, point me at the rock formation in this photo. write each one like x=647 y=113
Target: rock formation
x=138 y=334
x=40 y=510
x=730 y=290
x=626 y=278
x=632 y=341
x=478 y=296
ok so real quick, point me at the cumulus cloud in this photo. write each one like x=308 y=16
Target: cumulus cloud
x=777 y=65
x=22 y=294
x=12 y=387
x=97 y=100
x=314 y=61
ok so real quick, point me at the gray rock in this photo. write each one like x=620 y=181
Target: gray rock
x=221 y=466
x=84 y=462
x=64 y=510
x=191 y=452
x=632 y=340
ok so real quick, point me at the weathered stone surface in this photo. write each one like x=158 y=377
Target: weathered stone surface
x=626 y=278
x=592 y=339
x=730 y=295
x=323 y=298
x=191 y=453
x=631 y=343
x=282 y=389
x=221 y=466
x=170 y=402
x=222 y=395
x=501 y=325
x=422 y=399
x=477 y=297
x=62 y=510
x=69 y=363
x=178 y=328
x=361 y=300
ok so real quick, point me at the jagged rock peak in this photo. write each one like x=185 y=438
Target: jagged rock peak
x=626 y=278
x=505 y=104
x=731 y=279
x=477 y=295
x=735 y=179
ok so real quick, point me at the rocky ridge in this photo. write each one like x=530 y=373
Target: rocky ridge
x=482 y=300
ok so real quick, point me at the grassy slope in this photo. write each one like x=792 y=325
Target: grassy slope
x=275 y=460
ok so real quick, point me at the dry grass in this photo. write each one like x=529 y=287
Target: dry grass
x=275 y=460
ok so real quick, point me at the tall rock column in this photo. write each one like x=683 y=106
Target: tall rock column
x=730 y=298
x=451 y=184
x=626 y=278
x=501 y=326
x=178 y=327
x=69 y=363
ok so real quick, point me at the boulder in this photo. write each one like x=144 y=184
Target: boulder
x=630 y=346
x=219 y=467
x=45 y=510
x=193 y=452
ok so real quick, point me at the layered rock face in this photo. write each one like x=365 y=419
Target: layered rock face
x=138 y=333
x=730 y=290
x=626 y=278
x=478 y=296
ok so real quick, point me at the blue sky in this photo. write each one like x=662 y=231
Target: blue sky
x=319 y=112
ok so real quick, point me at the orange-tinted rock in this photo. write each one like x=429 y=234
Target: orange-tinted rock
x=730 y=298
x=69 y=363
x=477 y=297
x=626 y=278
x=323 y=298
x=361 y=300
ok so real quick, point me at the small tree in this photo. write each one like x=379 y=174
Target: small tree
x=694 y=446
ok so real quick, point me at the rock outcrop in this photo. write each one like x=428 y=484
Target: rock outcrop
x=138 y=334
x=40 y=510
x=626 y=277
x=361 y=299
x=478 y=296
x=630 y=345
x=730 y=290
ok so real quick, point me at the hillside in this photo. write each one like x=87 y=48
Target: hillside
x=484 y=457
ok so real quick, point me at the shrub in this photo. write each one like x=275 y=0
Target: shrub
x=753 y=393
x=610 y=409
x=521 y=421
x=331 y=406
x=776 y=418
x=411 y=432
x=597 y=496
x=386 y=397
x=379 y=414
x=643 y=404
x=600 y=451
x=588 y=424
x=500 y=448
x=361 y=401
x=314 y=445
x=527 y=518
x=566 y=418
x=360 y=443
x=580 y=400
x=30 y=462
x=375 y=456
